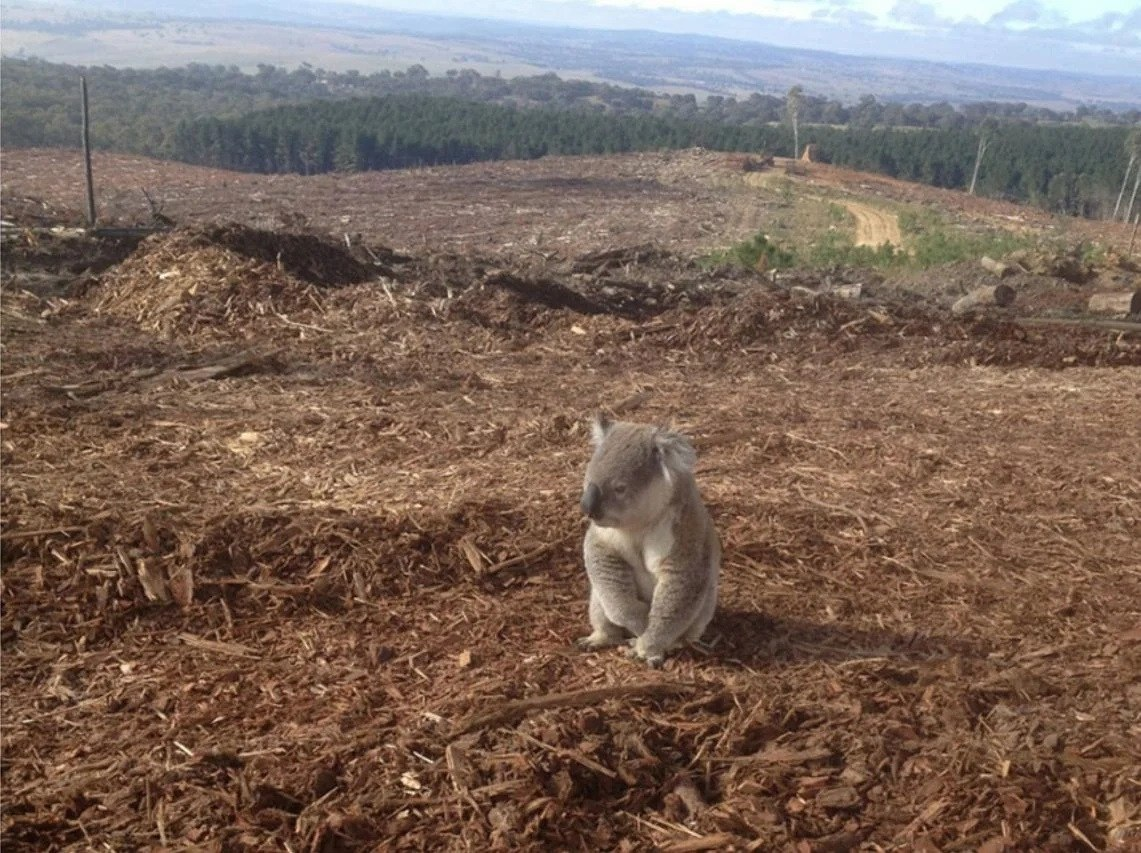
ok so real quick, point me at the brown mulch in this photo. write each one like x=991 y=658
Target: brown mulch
x=292 y=562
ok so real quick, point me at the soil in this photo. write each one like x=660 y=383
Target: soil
x=874 y=227
x=291 y=539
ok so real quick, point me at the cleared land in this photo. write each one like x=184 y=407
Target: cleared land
x=874 y=227
x=290 y=535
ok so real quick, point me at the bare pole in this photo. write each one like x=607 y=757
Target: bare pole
x=87 y=153
x=1124 y=184
x=983 y=141
x=1133 y=196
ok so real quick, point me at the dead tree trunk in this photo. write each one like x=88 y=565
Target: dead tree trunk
x=978 y=162
x=84 y=118
x=1133 y=195
x=1000 y=295
x=1124 y=184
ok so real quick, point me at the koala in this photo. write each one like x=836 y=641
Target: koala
x=652 y=554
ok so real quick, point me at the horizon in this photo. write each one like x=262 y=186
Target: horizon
x=1029 y=34
x=1049 y=67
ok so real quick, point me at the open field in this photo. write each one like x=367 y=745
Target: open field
x=290 y=526
x=248 y=44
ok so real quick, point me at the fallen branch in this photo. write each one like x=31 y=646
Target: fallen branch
x=220 y=370
x=521 y=559
x=235 y=649
x=862 y=518
x=577 y=757
x=1129 y=327
x=780 y=755
x=510 y=712
x=719 y=841
x=27 y=534
x=297 y=325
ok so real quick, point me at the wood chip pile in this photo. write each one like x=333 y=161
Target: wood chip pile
x=191 y=281
x=292 y=562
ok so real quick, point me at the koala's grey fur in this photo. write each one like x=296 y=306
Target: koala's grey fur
x=652 y=554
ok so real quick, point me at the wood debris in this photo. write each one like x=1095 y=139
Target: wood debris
x=323 y=595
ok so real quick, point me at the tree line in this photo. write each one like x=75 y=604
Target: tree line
x=136 y=110
x=307 y=121
x=1071 y=169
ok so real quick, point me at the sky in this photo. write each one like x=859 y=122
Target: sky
x=1090 y=36
x=1015 y=14
x=981 y=10
x=1097 y=36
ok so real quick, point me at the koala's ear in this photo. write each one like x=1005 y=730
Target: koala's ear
x=675 y=450
x=599 y=427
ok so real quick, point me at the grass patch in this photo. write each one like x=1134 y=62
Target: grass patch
x=929 y=241
x=758 y=252
x=835 y=249
x=839 y=215
x=932 y=241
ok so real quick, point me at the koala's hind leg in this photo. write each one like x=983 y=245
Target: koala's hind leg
x=704 y=616
x=605 y=632
x=616 y=608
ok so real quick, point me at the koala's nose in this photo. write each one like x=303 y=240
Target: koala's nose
x=591 y=501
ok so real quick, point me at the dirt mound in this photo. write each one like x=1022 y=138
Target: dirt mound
x=305 y=256
x=635 y=283
x=1001 y=343
x=58 y=260
x=764 y=314
x=799 y=322
x=494 y=306
x=183 y=282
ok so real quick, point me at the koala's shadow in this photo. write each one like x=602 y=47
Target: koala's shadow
x=757 y=640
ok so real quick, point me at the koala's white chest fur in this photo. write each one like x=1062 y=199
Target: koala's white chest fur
x=644 y=550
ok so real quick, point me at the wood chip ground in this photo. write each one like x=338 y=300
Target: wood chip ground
x=291 y=561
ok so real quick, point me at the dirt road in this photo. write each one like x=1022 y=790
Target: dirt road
x=874 y=227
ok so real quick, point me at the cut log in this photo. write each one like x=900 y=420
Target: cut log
x=847 y=291
x=997 y=267
x=1120 y=304
x=1000 y=295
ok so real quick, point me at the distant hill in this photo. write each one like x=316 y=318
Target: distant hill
x=341 y=37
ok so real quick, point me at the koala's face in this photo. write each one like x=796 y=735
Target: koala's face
x=626 y=483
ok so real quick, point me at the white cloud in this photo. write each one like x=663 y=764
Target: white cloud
x=1027 y=12
x=1103 y=36
x=919 y=14
x=849 y=17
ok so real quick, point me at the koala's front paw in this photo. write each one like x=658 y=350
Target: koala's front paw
x=638 y=651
